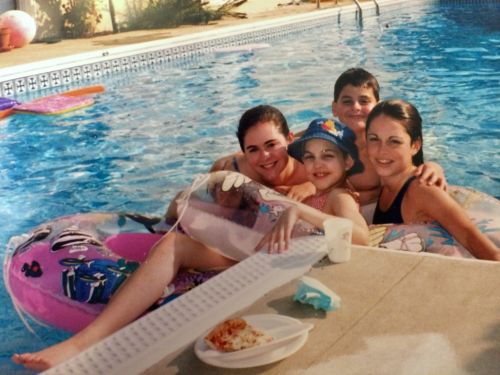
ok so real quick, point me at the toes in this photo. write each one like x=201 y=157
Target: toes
x=31 y=361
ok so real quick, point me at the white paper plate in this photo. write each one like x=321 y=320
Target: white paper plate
x=289 y=336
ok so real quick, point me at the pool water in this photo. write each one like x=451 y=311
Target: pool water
x=153 y=130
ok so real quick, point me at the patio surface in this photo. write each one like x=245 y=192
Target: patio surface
x=256 y=10
x=401 y=313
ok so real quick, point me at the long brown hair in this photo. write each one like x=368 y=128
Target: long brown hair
x=258 y=114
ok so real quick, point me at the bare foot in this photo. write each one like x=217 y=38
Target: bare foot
x=31 y=361
x=46 y=358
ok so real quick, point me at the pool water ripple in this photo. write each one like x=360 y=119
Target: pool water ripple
x=153 y=130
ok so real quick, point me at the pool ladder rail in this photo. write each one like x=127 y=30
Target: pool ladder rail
x=359 y=12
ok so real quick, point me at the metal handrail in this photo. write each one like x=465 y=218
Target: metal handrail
x=377 y=7
x=360 y=11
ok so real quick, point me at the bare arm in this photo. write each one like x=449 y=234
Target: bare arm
x=439 y=206
x=298 y=192
x=278 y=238
x=342 y=204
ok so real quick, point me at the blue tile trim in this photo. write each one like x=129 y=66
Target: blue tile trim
x=183 y=53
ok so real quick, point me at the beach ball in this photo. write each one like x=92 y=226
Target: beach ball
x=22 y=27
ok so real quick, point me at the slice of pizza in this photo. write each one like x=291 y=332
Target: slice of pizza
x=235 y=334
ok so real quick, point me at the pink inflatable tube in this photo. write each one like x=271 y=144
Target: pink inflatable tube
x=64 y=271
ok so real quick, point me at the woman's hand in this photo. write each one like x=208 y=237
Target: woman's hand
x=431 y=174
x=277 y=239
x=299 y=192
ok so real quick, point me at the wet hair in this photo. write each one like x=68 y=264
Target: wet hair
x=258 y=114
x=409 y=117
x=356 y=77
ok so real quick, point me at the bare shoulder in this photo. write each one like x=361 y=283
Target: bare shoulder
x=341 y=196
x=225 y=163
x=422 y=191
x=430 y=200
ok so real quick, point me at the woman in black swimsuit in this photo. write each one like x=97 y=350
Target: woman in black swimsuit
x=394 y=145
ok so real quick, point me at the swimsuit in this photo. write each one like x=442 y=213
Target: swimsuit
x=235 y=164
x=393 y=213
x=318 y=201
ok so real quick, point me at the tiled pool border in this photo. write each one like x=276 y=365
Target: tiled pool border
x=84 y=68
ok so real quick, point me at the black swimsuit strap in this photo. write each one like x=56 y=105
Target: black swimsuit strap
x=393 y=213
x=235 y=164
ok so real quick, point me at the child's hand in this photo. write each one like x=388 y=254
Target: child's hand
x=277 y=239
x=431 y=174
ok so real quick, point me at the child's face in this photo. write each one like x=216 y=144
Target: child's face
x=325 y=164
x=389 y=146
x=354 y=106
x=265 y=150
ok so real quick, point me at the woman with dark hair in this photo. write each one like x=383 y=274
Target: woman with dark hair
x=394 y=146
x=263 y=135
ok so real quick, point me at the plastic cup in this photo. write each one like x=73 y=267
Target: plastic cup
x=338 y=235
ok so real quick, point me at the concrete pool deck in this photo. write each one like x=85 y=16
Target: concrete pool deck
x=401 y=313
x=256 y=10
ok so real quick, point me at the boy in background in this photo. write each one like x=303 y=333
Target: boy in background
x=356 y=92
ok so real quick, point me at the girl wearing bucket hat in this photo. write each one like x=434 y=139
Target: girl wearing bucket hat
x=328 y=151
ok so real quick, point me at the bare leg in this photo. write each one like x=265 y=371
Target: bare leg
x=144 y=287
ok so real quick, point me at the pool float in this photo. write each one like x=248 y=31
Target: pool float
x=7 y=106
x=60 y=103
x=482 y=209
x=202 y=212
x=6 y=103
x=52 y=104
x=64 y=271
x=245 y=209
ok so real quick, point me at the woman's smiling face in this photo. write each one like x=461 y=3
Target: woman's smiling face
x=389 y=146
x=265 y=149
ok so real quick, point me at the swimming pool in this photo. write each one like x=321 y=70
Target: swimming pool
x=123 y=153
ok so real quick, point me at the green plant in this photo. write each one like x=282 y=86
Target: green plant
x=172 y=13
x=80 y=18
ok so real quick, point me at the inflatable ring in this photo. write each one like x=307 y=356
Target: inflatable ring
x=231 y=213
x=482 y=209
x=64 y=271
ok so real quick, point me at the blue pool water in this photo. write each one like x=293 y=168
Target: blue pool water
x=151 y=131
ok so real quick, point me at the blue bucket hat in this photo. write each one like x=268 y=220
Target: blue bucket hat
x=331 y=131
